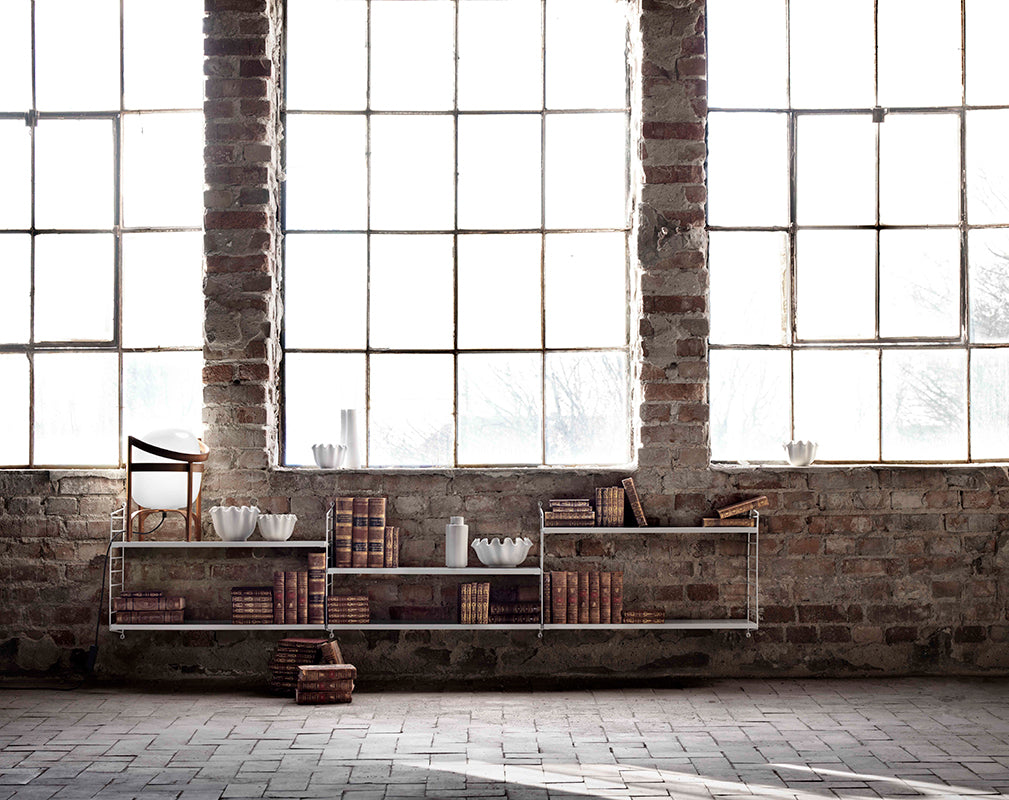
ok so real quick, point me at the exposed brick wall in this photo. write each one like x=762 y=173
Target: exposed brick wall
x=863 y=571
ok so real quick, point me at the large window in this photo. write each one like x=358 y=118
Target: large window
x=859 y=228
x=101 y=184
x=457 y=220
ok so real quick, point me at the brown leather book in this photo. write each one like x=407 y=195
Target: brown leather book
x=635 y=502
x=583 y=598
x=290 y=597
x=559 y=597
x=572 y=588
x=161 y=603
x=605 y=612
x=278 y=598
x=343 y=531
x=548 y=599
x=316 y=588
x=302 y=598
x=376 y=532
x=617 y=597
x=594 y=597
x=359 y=533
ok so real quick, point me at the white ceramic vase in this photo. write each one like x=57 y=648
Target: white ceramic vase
x=350 y=434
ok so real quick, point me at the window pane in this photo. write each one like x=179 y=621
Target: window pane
x=919 y=53
x=163 y=289
x=316 y=387
x=587 y=417
x=837 y=403
x=326 y=38
x=988 y=256
x=412 y=164
x=586 y=290
x=836 y=170
x=77 y=55
x=499 y=291
x=747 y=287
x=326 y=173
x=586 y=46
x=76 y=408
x=412 y=55
x=747 y=169
x=74 y=288
x=492 y=34
x=14 y=409
x=499 y=171
x=15 y=174
x=500 y=408
x=823 y=35
x=919 y=283
x=987 y=21
x=924 y=405
x=835 y=284
x=16 y=58
x=15 y=299
x=747 y=55
x=989 y=399
x=153 y=39
x=73 y=174
x=162 y=390
x=919 y=169
x=749 y=404
x=325 y=291
x=987 y=167
x=407 y=427
x=586 y=171
x=163 y=170
x=411 y=292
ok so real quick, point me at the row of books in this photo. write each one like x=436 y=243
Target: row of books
x=149 y=607
x=583 y=598
x=474 y=603
x=348 y=609
x=605 y=509
x=291 y=654
x=325 y=683
x=299 y=598
x=360 y=536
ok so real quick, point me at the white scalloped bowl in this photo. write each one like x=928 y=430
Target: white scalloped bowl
x=800 y=454
x=277 y=527
x=234 y=523
x=495 y=553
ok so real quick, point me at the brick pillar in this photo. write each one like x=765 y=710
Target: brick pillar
x=241 y=336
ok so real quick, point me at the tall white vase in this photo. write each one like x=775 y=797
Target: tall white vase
x=350 y=425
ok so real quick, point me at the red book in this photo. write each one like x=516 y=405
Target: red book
x=290 y=598
x=594 y=597
x=605 y=617
x=572 y=598
x=302 y=598
x=617 y=597
x=583 y=598
x=559 y=597
x=278 y=598
x=359 y=533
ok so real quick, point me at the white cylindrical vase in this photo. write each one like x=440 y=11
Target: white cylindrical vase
x=350 y=425
x=456 y=543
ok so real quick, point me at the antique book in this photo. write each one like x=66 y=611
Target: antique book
x=482 y=603
x=594 y=597
x=572 y=597
x=605 y=615
x=617 y=596
x=395 y=546
x=583 y=597
x=600 y=502
x=290 y=597
x=389 y=543
x=302 y=597
x=162 y=603
x=548 y=602
x=149 y=617
x=742 y=507
x=613 y=506
x=564 y=519
x=343 y=531
x=559 y=597
x=327 y=672
x=316 y=588
x=359 y=533
x=514 y=619
x=143 y=593
x=635 y=502
x=376 y=531
x=732 y=522
x=573 y=503
x=278 y=598
x=314 y=698
x=330 y=653
x=465 y=604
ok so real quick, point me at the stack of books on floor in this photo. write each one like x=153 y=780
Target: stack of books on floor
x=514 y=605
x=152 y=607
x=294 y=653
x=474 y=603
x=570 y=513
x=252 y=605
x=733 y=516
x=299 y=597
x=360 y=536
x=349 y=609
x=583 y=598
x=643 y=616
x=325 y=683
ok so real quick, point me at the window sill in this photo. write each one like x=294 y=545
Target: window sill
x=622 y=469
x=737 y=467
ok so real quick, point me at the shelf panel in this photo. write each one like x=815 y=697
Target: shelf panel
x=433 y=571
x=433 y=626
x=671 y=624
x=211 y=625
x=297 y=543
x=649 y=529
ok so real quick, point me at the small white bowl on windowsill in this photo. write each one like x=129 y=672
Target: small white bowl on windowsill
x=800 y=454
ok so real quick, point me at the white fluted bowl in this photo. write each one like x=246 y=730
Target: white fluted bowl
x=495 y=553
x=328 y=456
x=800 y=454
x=277 y=527
x=234 y=523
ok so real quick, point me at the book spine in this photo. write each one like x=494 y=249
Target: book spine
x=617 y=597
x=302 y=598
x=149 y=617
x=143 y=593
x=572 y=592
x=344 y=526
x=614 y=511
x=169 y=603
x=732 y=522
x=483 y=604
x=359 y=533
x=594 y=598
x=600 y=497
x=278 y=598
x=605 y=615
x=395 y=546
x=316 y=588
x=547 y=596
x=559 y=597
x=583 y=598
x=579 y=503
x=388 y=535
x=635 y=502
x=376 y=531
x=290 y=598
x=741 y=508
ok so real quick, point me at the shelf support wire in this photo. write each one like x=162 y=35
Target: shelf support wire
x=117 y=560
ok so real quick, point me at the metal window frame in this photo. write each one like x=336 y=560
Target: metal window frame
x=544 y=112
x=878 y=344
x=116 y=117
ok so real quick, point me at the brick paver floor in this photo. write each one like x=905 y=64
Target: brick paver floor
x=726 y=739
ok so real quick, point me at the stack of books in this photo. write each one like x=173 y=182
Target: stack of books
x=517 y=604
x=299 y=597
x=474 y=603
x=325 y=683
x=583 y=598
x=642 y=616
x=360 y=536
x=733 y=516
x=252 y=605
x=349 y=609
x=294 y=653
x=152 y=607
x=569 y=513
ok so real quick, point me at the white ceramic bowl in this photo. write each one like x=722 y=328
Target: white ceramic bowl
x=800 y=454
x=328 y=456
x=495 y=553
x=276 y=527
x=234 y=523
